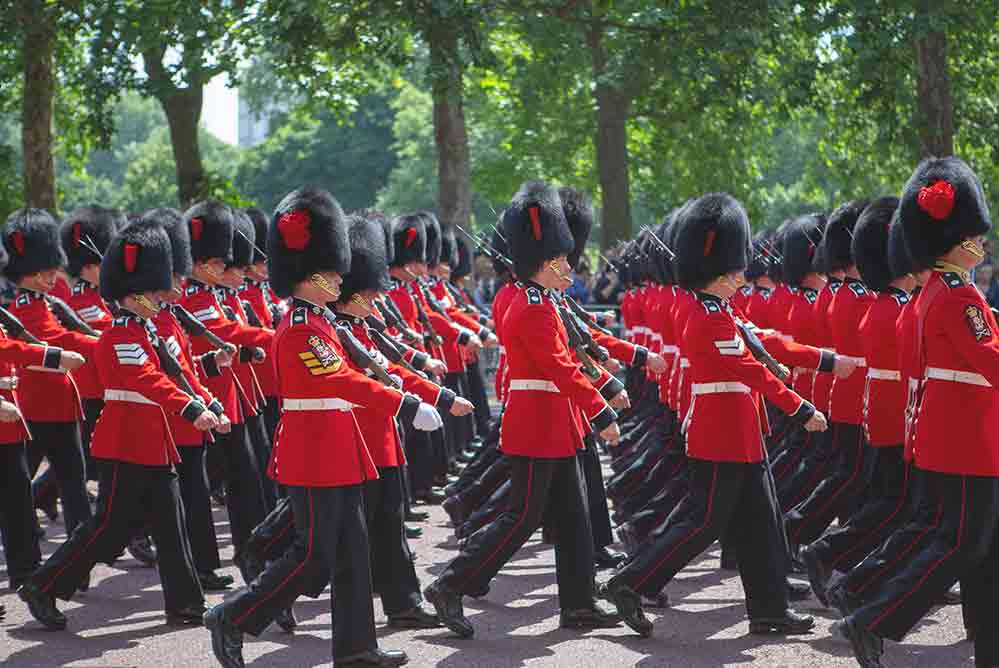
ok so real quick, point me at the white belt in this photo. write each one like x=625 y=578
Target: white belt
x=967 y=377
x=8 y=382
x=531 y=384
x=501 y=349
x=884 y=374
x=670 y=350
x=44 y=369
x=803 y=370
x=684 y=363
x=718 y=388
x=656 y=337
x=127 y=395
x=316 y=405
x=859 y=361
x=628 y=332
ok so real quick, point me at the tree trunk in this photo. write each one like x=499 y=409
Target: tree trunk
x=454 y=170
x=38 y=47
x=183 y=111
x=935 y=104
x=613 y=109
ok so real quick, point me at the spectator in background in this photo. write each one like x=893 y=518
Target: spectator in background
x=985 y=281
x=607 y=288
x=580 y=288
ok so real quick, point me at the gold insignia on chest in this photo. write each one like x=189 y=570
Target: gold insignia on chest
x=976 y=321
x=320 y=359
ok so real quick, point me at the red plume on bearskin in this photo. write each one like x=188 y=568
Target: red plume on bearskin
x=18 y=239
x=709 y=241
x=197 y=226
x=76 y=235
x=937 y=200
x=535 y=215
x=294 y=229
x=411 y=235
x=130 y=255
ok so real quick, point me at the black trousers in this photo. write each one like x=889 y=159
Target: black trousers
x=130 y=495
x=596 y=495
x=477 y=395
x=476 y=493
x=198 y=508
x=392 y=570
x=256 y=429
x=962 y=545
x=59 y=442
x=420 y=455
x=459 y=429
x=488 y=455
x=845 y=546
x=244 y=493
x=91 y=411
x=547 y=489
x=837 y=492
x=731 y=498
x=330 y=537
x=17 y=513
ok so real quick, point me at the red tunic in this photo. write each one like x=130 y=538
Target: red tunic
x=885 y=393
x=258 y=295
x=17 y=353
x=846 y=401
x=86 y=300
x=823 y=381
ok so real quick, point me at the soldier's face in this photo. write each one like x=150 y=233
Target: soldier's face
x=233 y=277
x=42 y=281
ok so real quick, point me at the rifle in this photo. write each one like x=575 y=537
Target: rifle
x=391 y=352
x=463 y=304
x=361 y=357
x=68 y=317
x=430 y=337
x=576 y=343
x=394 y=320
x=486 y=248
x=172 y=368
x=585 y=315
x=195 y=327
x=760 y=353
x=16 y=328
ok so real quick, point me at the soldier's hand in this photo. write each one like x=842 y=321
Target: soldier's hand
x=610 y=317
x=611 y=434
x=816 y=423
x=656 y=363
x=474 y=344
x=9 y=411
x=8 y=383
x=225 y=425
x=435 y=367
x=461 y=407
x=843 y=367
x=612 y=365
x=223 y=358
x=70 y=360
x=427 y=418
x=620 y=401
x=206 y=421
x=491 y=341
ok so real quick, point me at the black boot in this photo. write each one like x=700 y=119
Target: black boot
x=212 y=581
x=42 y=607
x=818 y=573
x=789 y=623
x=192 y=615
x=227 y=640
x=142 y=549
x=414 y=618
x=867 y=647
x=629 y=606
x=608 y=558
x=842 y=600
x=798 y=591
x=417 y=516
x=447 y=603
x=593 y=617
x=413 y=532
x=453 y=507
x=375 y=657
x=286 y=620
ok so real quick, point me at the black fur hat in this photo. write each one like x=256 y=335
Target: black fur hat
x=172 y=223
x=308 y=234
x=942 y=205
x=802 y=238
x=211 y=227
x=138 y=259
x=535 y=227
x=409 y=236
x=368 y=265
x=259 y=220
x=870 y=243
x=86 y=227
x=713 y=240
x=243 y=240
x=899 y=259
x=434 y=237
x=31 y=239
x=449 y=247
x=386 y=224
x=578 y=209
x=837 y=241
x=464 y=265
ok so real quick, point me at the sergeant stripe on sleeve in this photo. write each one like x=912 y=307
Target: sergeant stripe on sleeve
x=207 y=314
x=131 y=354
x=90 y=313
x=173 y=346
x=730 y=346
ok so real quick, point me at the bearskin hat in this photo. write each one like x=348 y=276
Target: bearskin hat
x=579 y=215
x=464 y=265
x=308 y=234
x=409 y=236
x=259 y=220
x=386 y=225
x=802 y=237
x=211 y=226
x=899 y=259
x=838 y=239
x=535 y=227
x=368 y=265
x=942 y=205
x=713 y=240
x=870 y=243
x=86 y=230
x=244 y=240
x=434 y=237
x=172 y=223
x=449 y=247
x=31 y=239
x=138 y=259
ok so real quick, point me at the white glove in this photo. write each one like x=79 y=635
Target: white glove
x=396 y=379
x=427 y=418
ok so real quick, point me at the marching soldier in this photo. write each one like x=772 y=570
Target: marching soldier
x=138 y=483
x=308 y=254
x=539 y=432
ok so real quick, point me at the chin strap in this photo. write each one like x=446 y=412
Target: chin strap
x=553 y=265
x=363 y=303
x=973 y=247
x=145 y=303
x=320 y=282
